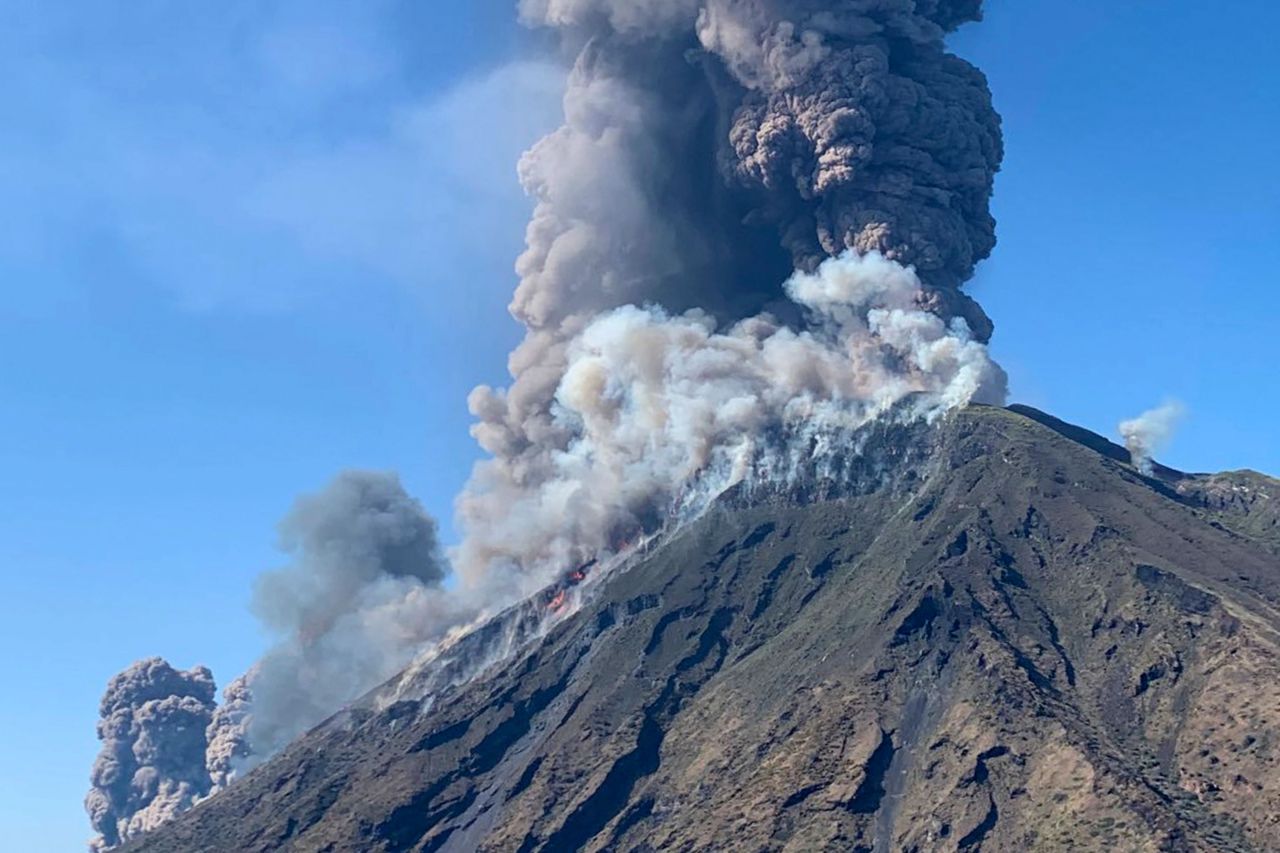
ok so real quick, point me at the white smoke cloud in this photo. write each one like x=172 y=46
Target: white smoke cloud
x=1150 y=432
x=654 y=403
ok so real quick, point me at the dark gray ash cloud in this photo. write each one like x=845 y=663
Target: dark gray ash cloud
x=360 y=597
x=151 y=767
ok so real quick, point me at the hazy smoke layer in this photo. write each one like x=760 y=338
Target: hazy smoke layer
x=152 y=728
x=710 y=148
x=1150 y=432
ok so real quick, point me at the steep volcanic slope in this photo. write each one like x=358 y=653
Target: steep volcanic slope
x=996 y=635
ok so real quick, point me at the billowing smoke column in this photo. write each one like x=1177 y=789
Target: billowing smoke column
x=152 y=728
x=359 y=600
x=711 y=148
x=748 y=240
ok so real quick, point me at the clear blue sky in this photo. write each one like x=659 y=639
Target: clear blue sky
x=244 y=245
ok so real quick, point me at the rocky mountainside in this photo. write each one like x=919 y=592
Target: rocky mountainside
x=993 y=634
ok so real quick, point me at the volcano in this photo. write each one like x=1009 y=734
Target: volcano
x=992 y=633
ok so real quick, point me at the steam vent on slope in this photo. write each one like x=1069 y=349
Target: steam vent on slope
x=993 y=633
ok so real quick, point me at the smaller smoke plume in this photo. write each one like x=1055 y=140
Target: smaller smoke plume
x=1150 y=432
x=360 y=598
x=151 y=768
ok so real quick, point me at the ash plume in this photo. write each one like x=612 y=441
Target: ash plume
x=151 y=767
x=714 y=153
x=1150 y=432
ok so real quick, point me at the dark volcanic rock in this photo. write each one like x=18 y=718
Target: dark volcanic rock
x=996 y=635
